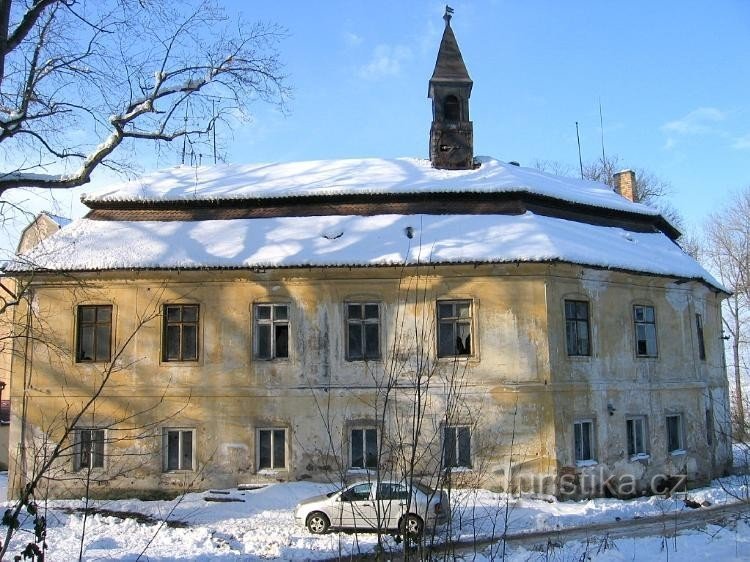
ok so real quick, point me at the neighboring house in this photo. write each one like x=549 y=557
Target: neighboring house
x=325 y=319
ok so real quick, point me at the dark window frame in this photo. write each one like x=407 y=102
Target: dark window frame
x=362 y=326
x=584 y=440
x=181 y=460
x=89 y=448
x=457 y=447
x=644 y=330
x=576 y=322
x=272 y=463
x=94 y=336
x=675 y=433
x=451 y=109
x=369 y=448
x=459 y=347
x=182 y=327
x=274 y=330
x=701 y=339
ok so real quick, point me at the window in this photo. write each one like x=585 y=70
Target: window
x=645 y=331
x=675 y=436
x=701 y=342
x=584 y=440
x=577 y=327
x=637 y=436
x=362 y=331
x=454 y=328
x=456 y=446
x=180 y=332
x=451 y=109
x=271 y=331
x=89 y=448
x=178 y=445
x=392 y=491
x=271 y=448
x=94 y=333
x=364 y=448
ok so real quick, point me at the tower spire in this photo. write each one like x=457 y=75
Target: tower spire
x=451 y=133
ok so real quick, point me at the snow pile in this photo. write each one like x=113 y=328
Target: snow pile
x=358 y=241
x=357 y=176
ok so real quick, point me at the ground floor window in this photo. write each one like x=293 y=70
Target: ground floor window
x=583 y=431
x=675 y=433
x=364 y=448
x=456 y=446
x=271 y=448
x=178 y=449
x=89 y=448
x=637 y=436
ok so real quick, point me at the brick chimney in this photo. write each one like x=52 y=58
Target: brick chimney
x=625 y=184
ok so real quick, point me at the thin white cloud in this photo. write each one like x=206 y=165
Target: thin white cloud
x=699 y=121
x=352 y=39
x=386 y=61
x=742 y=143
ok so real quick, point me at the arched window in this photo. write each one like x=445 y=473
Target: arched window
x=451 y=109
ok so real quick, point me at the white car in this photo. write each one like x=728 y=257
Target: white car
x=371 y=505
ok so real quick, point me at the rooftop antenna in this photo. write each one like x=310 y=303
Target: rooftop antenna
x=580 y=161
x=601 y=127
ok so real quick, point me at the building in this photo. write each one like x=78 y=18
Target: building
x=459 y=316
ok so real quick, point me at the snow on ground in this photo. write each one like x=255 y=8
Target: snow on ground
x=262 y=526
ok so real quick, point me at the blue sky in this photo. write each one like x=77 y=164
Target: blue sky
x=673 y=78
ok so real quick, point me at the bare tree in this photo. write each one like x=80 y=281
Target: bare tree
x=726 y=252
x=83 y=81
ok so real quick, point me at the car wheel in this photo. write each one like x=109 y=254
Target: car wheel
x=411 y=526
x=317 y=523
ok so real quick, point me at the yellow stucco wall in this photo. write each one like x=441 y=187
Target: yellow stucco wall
x=519 y=391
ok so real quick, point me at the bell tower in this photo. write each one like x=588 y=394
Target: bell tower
x=451 y=133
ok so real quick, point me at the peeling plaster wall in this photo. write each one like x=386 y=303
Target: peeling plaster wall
x=518 y=391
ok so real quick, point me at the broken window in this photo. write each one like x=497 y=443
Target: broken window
x=94 y=335
x=583 y=438
x=178 y=449
x=271 y=331
x=364 y=448
x=637 y=436
x=454 y=328
x=577 y=327
x=456 y=446
x=675 y=434
x=89 y=448
x=271 y=449
x=644 y=320
x=180 y=332
x=701 y=342
x=362 y=331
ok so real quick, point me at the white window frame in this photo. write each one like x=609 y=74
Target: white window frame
x=78 y=441
x=272 y=322
x=272 y=430
x=588 y=425
x=364 y=429
x=633 y=426
x=646 y=326
x=454 y=321
x=165 y=448
x=680 y=433
x=458 y=465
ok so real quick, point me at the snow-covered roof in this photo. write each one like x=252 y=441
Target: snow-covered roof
x=356 y=176
x=346 y=240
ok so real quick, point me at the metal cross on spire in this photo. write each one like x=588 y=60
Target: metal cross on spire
x=448 y=15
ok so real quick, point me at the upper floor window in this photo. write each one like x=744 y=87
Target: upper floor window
x=701 y=341
x=364 y=448
x=456 y=446
x=583 y=441
x=94 y=333
x=451 y=109
x=180 y=332
x=577 y=327
x=454 y=328
x=271 y=331
x=362 y=331
x=178 y=449
x=644 y=321
x=89 y=448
